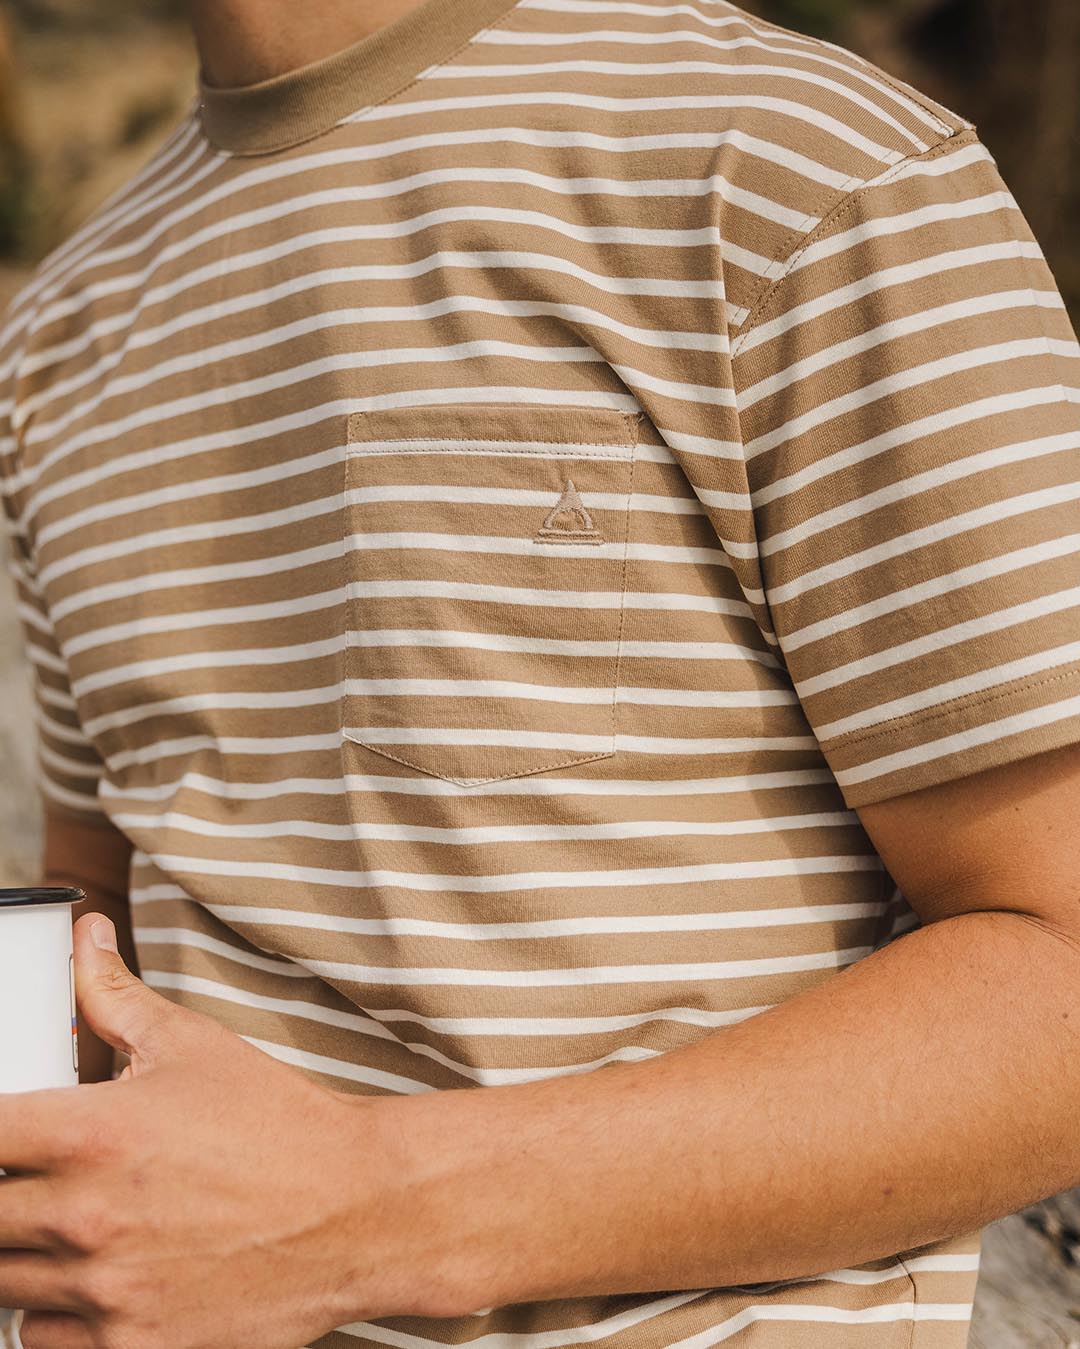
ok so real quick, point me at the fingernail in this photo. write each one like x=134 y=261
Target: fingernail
x=103 y=935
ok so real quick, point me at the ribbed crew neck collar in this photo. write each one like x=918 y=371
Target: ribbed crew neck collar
x=281 y=112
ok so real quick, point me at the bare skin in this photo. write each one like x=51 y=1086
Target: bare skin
x=247 y=41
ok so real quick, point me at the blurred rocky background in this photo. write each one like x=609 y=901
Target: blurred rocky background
x=89 y=87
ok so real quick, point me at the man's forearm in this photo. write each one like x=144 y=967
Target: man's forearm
x=927 y=1089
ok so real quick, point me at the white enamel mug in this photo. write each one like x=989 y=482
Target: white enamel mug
x=39 y=1044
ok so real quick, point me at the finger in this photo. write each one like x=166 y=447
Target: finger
x=22 y=1216
x=52 y=1330
x=36 y=1127
x=40 y=1282
x=118 y=1007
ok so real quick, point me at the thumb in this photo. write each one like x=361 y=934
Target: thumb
x=118 y=1007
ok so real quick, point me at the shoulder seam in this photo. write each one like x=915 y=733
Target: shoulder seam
x=844 y=201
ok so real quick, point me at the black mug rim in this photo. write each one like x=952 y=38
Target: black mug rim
x=23 y=896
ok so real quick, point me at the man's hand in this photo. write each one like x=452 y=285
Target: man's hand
x=208 y=1198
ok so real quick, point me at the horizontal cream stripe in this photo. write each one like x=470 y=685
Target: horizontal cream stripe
x=476 y=835
x=231 y=789
x=313 y=464
x=362 y=1025
x=43 y=659
x=442 y=494
x=63 y=796
x=182 y=937
x=279 y=746
x=815 y=1313
x=73 y=483
x=969 y=630
x=406 y=446
x=999 y=729
x=710 y=446
x=769 y=151
x=350 y=1072
x=58 y=698
x=659 y=601
x=307 y=698
x=654 y=600
x=905 y=488
x=885 y=227
x=495 y=544
x=307 y=651
x=960 y=523
x=442 y=638
x=627 y=744
x=549 y=1339
x=511 y=1027
x=665 y=70
x=227 y=394
x=487 y=260
x=151 y=582
x=148 y=542
x=426 y=881
x=583 y=977
x=71 y=735
x=881 y=334
x=893 y=383
x=400 y=227
x=32 y=617
x=884 y=278
x=478 y=494
x=714 y=102
x=904 y=433
x=1022 y=668
x=265 y=298
x=741 y=920
x=75 y=768
x=779 y=42
x=414 y=976
x=339 y=321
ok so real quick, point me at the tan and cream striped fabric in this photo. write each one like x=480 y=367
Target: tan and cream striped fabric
x=486 y=510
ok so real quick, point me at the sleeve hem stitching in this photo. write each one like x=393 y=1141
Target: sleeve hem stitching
x=949 y=708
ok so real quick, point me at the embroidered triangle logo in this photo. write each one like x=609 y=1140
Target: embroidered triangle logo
x=568 y=521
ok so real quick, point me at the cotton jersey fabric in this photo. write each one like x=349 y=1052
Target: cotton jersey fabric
x=487 y=507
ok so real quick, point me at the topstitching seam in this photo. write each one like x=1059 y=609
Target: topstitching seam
x=845 y=201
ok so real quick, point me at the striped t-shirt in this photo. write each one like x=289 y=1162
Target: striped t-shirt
x=488 y=506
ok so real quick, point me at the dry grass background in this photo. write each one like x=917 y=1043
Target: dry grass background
x=99 y=82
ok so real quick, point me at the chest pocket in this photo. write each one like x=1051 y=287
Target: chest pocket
x=485 y=577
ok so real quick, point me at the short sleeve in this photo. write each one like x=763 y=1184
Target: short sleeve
x=909 y=400
x=69 y=768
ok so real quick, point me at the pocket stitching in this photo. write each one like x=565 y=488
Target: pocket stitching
x=622 y=587
x=633 y=424
x=474 y=782
x=357 y=449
